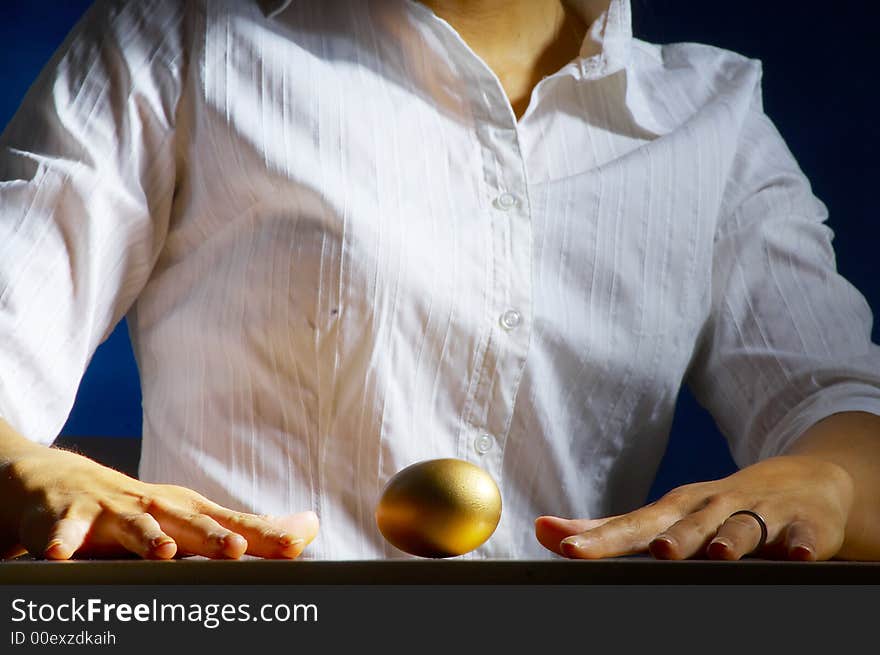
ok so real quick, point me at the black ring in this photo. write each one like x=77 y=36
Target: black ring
x=761 y=522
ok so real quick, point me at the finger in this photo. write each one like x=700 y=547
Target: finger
x=270 y=537
x=199 y=534
x=689 y=536
x=551 y=530
x=623 y=535
x=56 y=536
x=11 y=549
x=142 y=535
x=738 y=536
x=66 y=537
x=801 y=542
x=304 y=524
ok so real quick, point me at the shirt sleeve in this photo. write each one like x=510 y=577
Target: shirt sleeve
x=788 y=339
x=87 y=175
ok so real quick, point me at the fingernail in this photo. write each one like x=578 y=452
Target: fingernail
x=662 y=545
x=56 y=550
x=720 y=548
x=724 y=543
x=287 y=541
x=801 y=552
x=158 y=542
x=55 y=544
x=574 y=543
x=234 y=541
x=222 y=543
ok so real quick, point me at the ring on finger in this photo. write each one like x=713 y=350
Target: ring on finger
x=762 y=523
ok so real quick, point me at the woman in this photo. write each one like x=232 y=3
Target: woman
x=349 y=236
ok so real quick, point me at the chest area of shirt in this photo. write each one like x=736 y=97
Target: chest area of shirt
x=387 y=171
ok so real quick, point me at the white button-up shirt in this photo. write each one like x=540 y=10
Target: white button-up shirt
x=340 y=252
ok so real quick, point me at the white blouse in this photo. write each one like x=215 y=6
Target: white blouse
x=339 y=253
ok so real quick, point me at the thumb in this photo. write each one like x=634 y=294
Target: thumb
x=550 y=530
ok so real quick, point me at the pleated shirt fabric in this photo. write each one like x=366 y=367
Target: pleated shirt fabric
x=339 y=253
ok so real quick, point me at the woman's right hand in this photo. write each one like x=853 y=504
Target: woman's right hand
x=58 y=504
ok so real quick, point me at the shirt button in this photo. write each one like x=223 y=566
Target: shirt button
x=506 y=201
x=511 y=319
x=483 y=443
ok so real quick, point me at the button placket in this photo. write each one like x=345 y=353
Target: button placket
x=492 y=403
x=500 y=352
x=500 y=361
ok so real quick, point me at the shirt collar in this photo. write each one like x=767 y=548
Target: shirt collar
x=605 y=49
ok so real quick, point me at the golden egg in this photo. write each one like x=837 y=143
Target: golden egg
x=439 y=508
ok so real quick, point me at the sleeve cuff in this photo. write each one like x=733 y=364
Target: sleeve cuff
x=847 y=397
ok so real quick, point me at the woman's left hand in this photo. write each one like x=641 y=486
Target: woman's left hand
x=805 y=502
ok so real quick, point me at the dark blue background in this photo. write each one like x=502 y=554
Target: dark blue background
x=820 y=86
